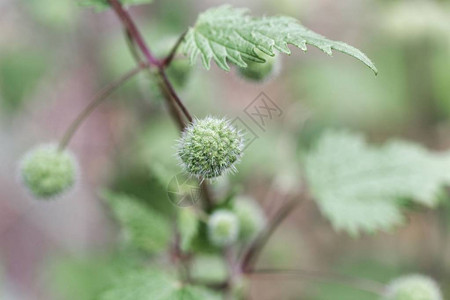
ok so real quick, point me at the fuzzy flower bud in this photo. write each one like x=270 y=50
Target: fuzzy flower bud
x=223 y=228
x=251 y=217
x=48 y=172
x=210 y=147
x=413 y=287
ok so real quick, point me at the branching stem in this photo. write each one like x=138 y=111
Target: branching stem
x=173 y=94
x=166 y=87
x=134 y=32
x=102 y=95
x=152 y=60
x=166 y=62
x=253 y=252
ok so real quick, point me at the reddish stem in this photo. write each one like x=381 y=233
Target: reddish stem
x=134 y=32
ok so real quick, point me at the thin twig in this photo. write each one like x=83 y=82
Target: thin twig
x=253 y=252
x=354 y=282
x=173 y=110
x=152 y=60
x=102 y=95
x=174 y=95
x=166 y=62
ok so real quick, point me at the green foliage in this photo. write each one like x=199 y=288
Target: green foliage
x=103 y=4
x=144 y=228
x=187 y=227
x=230 y=33
x=48 y=172
x=360 y=188
x=153 y=284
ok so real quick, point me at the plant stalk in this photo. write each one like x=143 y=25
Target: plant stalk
x=102 y=95
x=166 y=62
x=253 y=252
x=152 y=60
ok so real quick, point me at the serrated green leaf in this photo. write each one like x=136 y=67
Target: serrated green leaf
x=227 y=33
x=360 y=188
x=187 y=226
x=103 y=4
x=143 y=228
x=154 y=284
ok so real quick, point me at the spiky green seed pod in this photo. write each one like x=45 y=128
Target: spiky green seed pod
x=210 y=147
x=223 y=228
x=413 y=287
x=251 y=217
x=48 y=172
x=259 y=72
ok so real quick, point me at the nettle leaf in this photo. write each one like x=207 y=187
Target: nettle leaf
x=143 y=228
x=362 y=188
x=227 y=33
x=152 y=284
x=103 y=4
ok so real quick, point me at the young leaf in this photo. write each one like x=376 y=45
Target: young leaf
x=152 y=284
x=360 y=188
x=230 y=33
x=103 y=4
x=143 y=227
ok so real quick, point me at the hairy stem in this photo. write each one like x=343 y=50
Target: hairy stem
x=102 y=95
x=253 y=252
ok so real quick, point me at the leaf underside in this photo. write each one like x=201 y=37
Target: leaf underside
x=362 y=189
x=227 y=33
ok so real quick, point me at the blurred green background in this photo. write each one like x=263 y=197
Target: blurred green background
x=55 y=55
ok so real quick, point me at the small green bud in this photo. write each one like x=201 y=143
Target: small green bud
x=223 y=228
x=48 y=172
x=251 y=217
x=210 y=147
x=259 y=72
x=413 y=287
